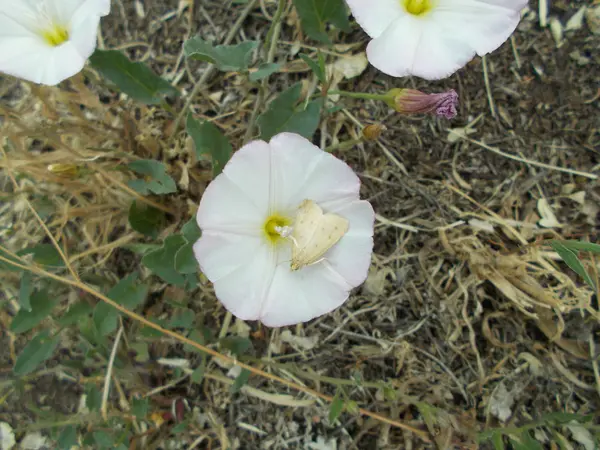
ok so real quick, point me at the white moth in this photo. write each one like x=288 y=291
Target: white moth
x=314 y=233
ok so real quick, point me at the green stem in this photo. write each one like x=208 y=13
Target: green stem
x=271 y=46
x=343 y=145
x=361 y=95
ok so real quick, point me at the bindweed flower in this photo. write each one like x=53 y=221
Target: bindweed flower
x=47 y=41
x=411 y=101
x=432 y=39
x=285 y=236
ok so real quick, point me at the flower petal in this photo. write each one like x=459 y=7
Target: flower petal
x=351 y=257
x=302 y=171
x=411 y=46
x=25 y=54
x=375 y=16
x=484 y=24
x=250 y=170
x=241 y=269
x=300 y=296
x=225 y=207
x=439 y=43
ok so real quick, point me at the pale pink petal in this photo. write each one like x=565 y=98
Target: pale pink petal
x=303 y=171
x=374 y=16
x=241 y=269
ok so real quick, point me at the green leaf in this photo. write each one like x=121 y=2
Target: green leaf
x=562 y=417
x=142 y=354
x=185 y=261
x=93 y=399
x=162 y=261
x=41 y=307
x=139 y=407
x=315 y=14
x=283 y=114
x=227 y=58
x=180 y=428
x=240 y=381
x=336 y=408
x=318 y=67
x=236 y=344
x=191 y=231
x=525 y=442
x=105 y=319
x=67 y=438
x=103 y=439
x=498 y=441
x=200 y=337
x=263 y=71
x=198 y=374
x=75 y=313
x=134 y=79
x=127 y=293
x=38 y=350
x=569 y=256
x=159 y=182
x=208 y=140
x=581 y=246
x=183 y=319
x=25 y=291
x=44 y=254
x=145 y=219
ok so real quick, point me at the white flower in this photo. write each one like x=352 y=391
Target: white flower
x=47 y=41
x=432 y=39
x=248 y=221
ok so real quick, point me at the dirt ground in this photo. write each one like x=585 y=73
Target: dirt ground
x=467 y=313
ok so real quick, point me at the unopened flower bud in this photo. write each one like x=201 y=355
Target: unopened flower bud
x=373 y=132
x=411 y=101
x=64 y=170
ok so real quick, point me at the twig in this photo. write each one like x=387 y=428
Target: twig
x=528 y=161
x=109 y=368
x=184 y=340
x=446 y=369
x=210 y=69
x=594 y=360
x=38 y=218
x=271 y=44
x=488 y=88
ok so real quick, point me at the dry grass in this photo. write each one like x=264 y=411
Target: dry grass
x=465 y=304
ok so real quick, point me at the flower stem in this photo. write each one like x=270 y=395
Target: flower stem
x=361 y=95
x=343 y=145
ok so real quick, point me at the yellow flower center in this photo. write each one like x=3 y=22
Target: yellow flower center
x=417 y=7
x=55 y=35
x=273 y=222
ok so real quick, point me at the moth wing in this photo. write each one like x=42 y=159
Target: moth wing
x=326 y=232
x=305 y=225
